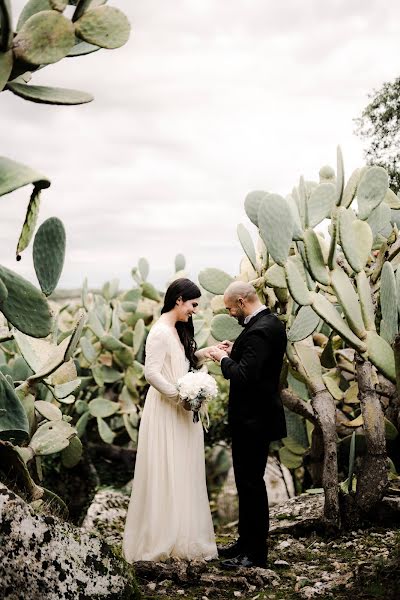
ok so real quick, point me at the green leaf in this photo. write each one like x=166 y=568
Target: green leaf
x=29 y=225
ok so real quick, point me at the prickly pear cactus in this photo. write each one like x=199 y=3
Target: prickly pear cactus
x=336 y=289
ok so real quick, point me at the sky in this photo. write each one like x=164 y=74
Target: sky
x=209 y=100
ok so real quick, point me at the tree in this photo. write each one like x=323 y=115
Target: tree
x=379 y=125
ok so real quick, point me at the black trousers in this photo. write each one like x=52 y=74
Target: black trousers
x=250 y=454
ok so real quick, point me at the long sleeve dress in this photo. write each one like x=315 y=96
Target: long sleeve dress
x=169 y=513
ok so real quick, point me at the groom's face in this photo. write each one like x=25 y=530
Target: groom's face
x=235 y=309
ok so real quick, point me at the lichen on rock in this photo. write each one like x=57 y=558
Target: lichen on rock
x=53 y=560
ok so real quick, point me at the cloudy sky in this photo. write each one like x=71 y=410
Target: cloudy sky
x=209 y=100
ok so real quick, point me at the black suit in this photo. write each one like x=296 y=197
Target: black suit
x=256 y=418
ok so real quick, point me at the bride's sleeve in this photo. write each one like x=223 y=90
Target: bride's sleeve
x=201 y=356
x=156 y=349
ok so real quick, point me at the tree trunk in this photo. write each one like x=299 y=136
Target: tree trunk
x=372 y=479
x=325 y=412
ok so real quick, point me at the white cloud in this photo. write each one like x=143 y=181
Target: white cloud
x=207 y=101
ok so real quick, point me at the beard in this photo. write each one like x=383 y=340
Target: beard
x=240 y=318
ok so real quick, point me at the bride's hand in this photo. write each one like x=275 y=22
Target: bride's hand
x=207 y=352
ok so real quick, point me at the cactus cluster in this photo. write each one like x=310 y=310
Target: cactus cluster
x=327 y=261
x=110 y=355
x=45 y=35
x=38 y=375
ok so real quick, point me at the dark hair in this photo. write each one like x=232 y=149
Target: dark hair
x=187 y=290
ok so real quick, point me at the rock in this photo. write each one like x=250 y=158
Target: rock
x=55 y=560
x=279 y=486
x=106 y=516
x=298 y=515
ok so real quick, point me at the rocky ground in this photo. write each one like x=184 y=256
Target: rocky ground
x=303 y=563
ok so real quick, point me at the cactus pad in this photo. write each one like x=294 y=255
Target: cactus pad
x=51 y=437
x=29 y=225
x=225 y=327
x=180 y=263
x=364 y=294
x=45 y=38
x=49 y=95
x=49 y=253
x=14 y=425
x=355 y=238
x=276 y=225
x=275 y=277
x=381 y=355
x=252 y=204
x=6 y=65
x=328 y=312
x=14 y=175
x=214 y=280
x=315 y=257
x=371 y=190
x=305 y=323
x=71 y=455
x=32 y=7
x=349 y=301
x=296 y=284
x=103 y=26
x=150 y=292
x=25 y=307
x=247 y=244
x=321 y=202
x=389 y=302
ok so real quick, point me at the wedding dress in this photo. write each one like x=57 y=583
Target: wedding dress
x=169 y=513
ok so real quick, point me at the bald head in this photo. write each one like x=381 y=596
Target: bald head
x=241 y=300
x=240 y=289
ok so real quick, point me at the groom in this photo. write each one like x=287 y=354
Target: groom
x=256 y=417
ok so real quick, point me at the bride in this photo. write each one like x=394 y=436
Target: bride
x=169 y=513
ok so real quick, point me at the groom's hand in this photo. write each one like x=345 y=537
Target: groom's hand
x=226 y=345
x=217 y=354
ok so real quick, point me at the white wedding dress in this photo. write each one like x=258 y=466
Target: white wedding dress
x=169 y=513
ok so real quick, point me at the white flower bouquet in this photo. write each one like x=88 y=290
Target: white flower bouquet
x=196 y=388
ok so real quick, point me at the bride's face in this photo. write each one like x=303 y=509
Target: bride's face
x=187 y=309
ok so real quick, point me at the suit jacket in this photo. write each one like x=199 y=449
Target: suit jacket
x=253 y=369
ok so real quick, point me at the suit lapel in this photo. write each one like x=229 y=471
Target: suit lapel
x=247 y=328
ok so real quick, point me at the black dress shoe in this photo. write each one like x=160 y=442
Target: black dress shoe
x=230 y=550
x=243 y=560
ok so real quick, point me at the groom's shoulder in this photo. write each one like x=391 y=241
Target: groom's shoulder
x=270 y=322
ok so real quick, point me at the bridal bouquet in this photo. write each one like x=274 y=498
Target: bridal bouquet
x=197 y=388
